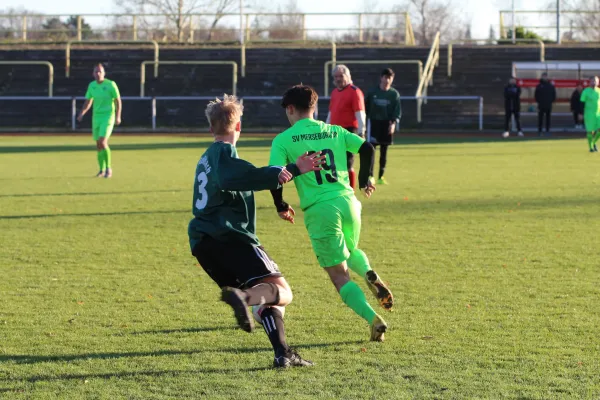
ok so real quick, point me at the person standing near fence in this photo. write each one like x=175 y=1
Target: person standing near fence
x=512 y=107
x=577 y=106
x=104 y=95
x=383 y=110
x=347 y=109
x=545 y=95
x=591 y=113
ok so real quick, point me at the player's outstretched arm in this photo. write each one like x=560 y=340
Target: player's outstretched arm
x=367 y=160
x=239 y=175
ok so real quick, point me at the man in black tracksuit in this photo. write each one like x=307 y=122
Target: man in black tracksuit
x=545 y=94
x=512 y=106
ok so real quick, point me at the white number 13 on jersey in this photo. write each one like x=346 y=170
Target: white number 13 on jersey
x=202 y=194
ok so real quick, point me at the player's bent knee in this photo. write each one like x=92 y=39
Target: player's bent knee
x=284 y=290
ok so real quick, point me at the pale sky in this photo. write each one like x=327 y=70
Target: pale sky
x=481 y=13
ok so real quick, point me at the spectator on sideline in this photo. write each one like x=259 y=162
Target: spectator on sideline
x=383 y=113
x=577 y=107
x=545 y=95
x=347 y=109
x=512 y=106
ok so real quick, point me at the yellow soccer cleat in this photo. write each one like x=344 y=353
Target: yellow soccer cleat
x=380 y=290
x=378 y=328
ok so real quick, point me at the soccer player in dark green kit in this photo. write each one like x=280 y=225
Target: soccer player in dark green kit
x=222 y=233
x=382 y=105
x=104 y=95
x=331 y=210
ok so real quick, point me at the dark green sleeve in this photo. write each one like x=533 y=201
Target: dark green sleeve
x=368 y=103
x=397 y=113
x=235 y=174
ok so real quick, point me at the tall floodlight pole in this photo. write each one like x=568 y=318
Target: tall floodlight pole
x=514 y=33
x=558 y=21
x=241 y=21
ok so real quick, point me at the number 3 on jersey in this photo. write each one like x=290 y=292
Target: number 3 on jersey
x=330 y=176
x=202 y=194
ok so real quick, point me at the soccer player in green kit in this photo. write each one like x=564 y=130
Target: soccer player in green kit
x=591 y=113
x=382 y=106
x=331 y=211
x=104 y=95
x=222 y=233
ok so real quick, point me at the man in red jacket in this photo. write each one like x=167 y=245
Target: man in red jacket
x=347 y=109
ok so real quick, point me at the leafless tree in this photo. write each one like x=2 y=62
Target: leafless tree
x=287 y=24
x=582 y=17
x=11 y=23
x=432 y=16
x=178 y=13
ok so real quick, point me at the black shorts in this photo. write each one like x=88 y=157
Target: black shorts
x=234 y=263
x=350 y=156
x=378 y=132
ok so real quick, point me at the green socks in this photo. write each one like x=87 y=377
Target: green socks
x=354 y=298
x=101 y=160
x=104 y=158
x=590 y=139
x=358 y=262
x=107 y=157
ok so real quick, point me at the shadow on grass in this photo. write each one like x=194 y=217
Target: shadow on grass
x=428 y=206
x=199 y=144
x=98 y=214
x=501 y=204
x=90 y=193
x=35 y=359
x=134 y=374
x=183 y=330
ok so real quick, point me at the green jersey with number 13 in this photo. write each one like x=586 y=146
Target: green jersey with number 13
x=223 y=202
x=309 y=135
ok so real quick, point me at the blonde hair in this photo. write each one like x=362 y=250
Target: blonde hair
x=224 y=114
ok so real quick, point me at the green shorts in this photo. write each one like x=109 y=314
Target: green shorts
x=334 y=229
x=102 y=127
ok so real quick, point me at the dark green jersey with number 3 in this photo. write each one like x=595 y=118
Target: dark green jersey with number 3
x=309 y=135
x=223 y=202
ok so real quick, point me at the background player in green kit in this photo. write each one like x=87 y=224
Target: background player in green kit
x=331 y=211
x=382 y=106
x=223 y=231
x=104 y=95
x=591 y=112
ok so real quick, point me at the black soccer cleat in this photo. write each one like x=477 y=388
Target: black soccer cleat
x=235 y=298
x=291 y=359
x=380 y=290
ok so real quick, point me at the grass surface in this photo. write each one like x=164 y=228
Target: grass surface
x=490 y=248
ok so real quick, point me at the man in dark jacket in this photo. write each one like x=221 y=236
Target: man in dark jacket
x=577 y=107
x=512 y=106
x=545 y=94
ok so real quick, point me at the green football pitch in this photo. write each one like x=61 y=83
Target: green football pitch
x=491 y=249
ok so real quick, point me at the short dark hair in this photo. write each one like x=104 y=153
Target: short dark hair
x=388 y=72
x=303 y=97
